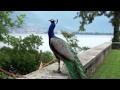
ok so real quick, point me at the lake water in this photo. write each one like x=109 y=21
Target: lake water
x=84 y=40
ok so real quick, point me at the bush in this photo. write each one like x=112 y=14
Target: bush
x=22 y=62
x=47 y=57
x=19 y=62
x=4 y=60
x=23 y=58
x=4 y=76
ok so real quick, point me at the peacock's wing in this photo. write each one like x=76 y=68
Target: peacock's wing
x=62 y=48
x=75 y=68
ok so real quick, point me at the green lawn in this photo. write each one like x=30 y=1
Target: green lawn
x=110 y=68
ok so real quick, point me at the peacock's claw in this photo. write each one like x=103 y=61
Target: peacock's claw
x=57 y=71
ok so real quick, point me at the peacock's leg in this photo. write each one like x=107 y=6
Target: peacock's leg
x=59 y=71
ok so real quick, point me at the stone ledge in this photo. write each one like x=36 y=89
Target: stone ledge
x=47 y=73
x=90 y=59
x=116 y=45
x=88 y=56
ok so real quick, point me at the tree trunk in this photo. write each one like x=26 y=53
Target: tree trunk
x=116 y=34
x=116 y=27
x=1 y=38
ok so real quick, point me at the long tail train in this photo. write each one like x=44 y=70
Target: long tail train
x=75 y=69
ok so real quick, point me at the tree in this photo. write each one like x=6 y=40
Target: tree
x=73 y=41
x=31 y=42
x=87 y=17
x=22 y=56
x=6 y=21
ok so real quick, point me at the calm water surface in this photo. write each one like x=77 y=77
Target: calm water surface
x=84 y=40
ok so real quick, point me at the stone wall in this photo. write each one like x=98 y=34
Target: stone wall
x=90 y=59
x=116 y=45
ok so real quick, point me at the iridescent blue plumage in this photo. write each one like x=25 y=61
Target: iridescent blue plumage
x=64 y=52
x=51 y=28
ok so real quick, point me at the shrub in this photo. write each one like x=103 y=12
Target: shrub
x=19 y=62
x=23 y=58
x=47 y=56
x=23 y=63
x=4 y=76
x=4 y=60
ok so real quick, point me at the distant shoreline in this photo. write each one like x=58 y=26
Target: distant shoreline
x=94 y=34
x=72 y=33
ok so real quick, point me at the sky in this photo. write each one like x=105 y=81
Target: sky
x=66 y=21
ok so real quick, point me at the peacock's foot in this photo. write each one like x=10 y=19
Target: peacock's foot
x=57 y=71
x=60 y=72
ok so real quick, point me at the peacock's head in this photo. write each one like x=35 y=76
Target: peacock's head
x=52 y=21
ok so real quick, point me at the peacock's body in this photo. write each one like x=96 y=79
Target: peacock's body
x=64 y=52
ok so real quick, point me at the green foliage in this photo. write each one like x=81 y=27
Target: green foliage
x=67 y=35
x=73 y=41
x=22 y=62
x=6 y=21
x=19 y=20
x=110 y=67
x=85 y=48
x=31 y=42
x=47 y=57
x=4 y=59
x=87 y=17
x=4 y=76
x=19 y=62
x=24 y=57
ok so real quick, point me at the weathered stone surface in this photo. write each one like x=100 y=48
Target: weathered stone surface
x=91 y=59
x=48 y=72
x=116 y=45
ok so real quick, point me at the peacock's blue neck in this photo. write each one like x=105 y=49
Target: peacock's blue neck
x=51 y=30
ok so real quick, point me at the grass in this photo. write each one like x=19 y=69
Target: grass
x=110 y=68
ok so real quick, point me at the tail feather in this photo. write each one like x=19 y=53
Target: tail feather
x=80 y=69
x=75 y=69
x=69 y=66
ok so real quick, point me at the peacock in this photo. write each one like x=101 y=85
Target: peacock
x=64 y=52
